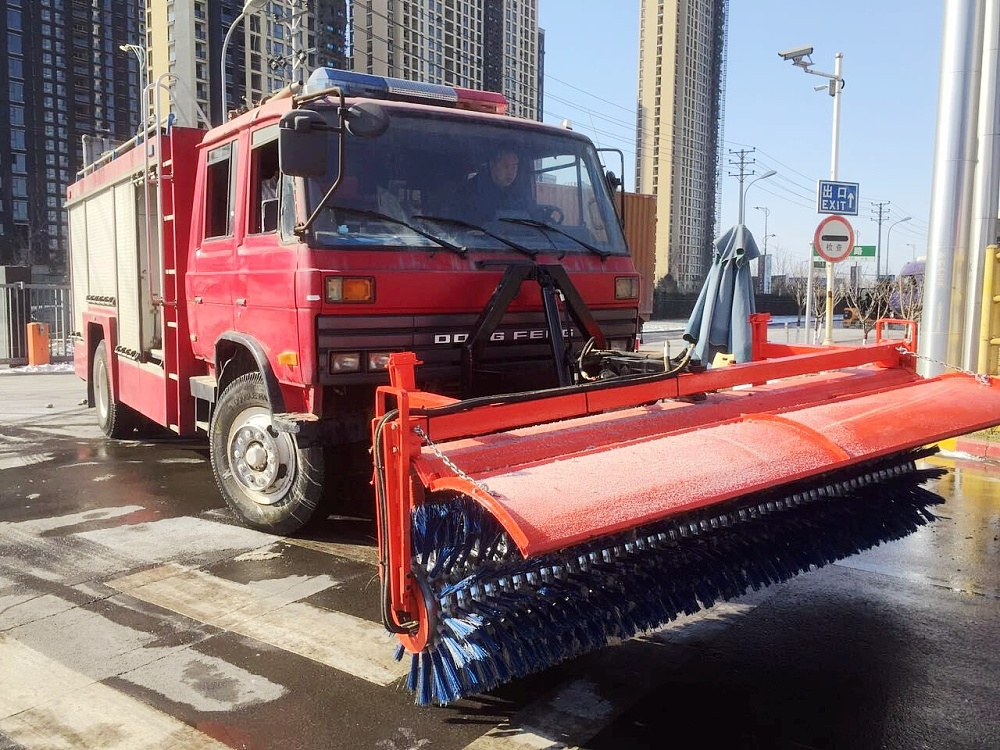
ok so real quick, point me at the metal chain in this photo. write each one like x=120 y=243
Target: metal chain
x=980 y=378
x=447 y=461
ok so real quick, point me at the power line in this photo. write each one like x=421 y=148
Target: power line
x=582 y=91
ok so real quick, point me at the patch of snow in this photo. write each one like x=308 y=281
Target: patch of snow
x=62 y=367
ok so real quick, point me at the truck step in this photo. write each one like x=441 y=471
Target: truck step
x=156 y=355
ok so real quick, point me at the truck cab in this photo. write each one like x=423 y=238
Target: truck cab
x=362 y=217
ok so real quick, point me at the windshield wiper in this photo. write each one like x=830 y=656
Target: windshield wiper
x=476 y=228
x=543 y=225
x=457 y=249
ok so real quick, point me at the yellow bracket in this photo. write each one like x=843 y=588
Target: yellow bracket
x=989 y=326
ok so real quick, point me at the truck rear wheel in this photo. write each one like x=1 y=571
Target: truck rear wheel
x=114 y=418
x=266 y=478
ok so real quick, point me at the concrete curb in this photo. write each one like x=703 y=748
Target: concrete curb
x=978 y=447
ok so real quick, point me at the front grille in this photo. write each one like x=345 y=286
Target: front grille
x=519 y=343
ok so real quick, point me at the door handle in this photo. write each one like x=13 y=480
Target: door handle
x=197 y=299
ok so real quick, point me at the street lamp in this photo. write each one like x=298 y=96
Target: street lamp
x=764 y=286
x=140 y=53
x=887 y=236
x=743 y=193
x=800 y=57
x=250 y=6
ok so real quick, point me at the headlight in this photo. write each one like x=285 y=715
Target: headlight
x=350 y=289
x=345 y=362
x=378 y=361
x=626 y=287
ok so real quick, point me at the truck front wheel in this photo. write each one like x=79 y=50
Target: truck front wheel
x=266 y=478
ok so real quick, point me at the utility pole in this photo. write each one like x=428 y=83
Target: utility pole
x=743 y=162
x=880 y=213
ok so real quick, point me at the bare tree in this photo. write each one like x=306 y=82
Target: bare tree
x=907 y=298
x=819 y=299
x=868 y=300
x=796 y=284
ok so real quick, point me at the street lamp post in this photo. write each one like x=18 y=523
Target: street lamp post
x=140 y=53
x=801 y=57
x=887 y=236
x=250 y=6
x=743 y=193
x=764 y=286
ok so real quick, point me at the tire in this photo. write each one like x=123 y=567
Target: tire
x=114 y=418
x=267 y=480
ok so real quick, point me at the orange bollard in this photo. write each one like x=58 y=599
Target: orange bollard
x=38 y=343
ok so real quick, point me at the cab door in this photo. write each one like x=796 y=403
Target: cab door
x=264 y=288
x=212 y=267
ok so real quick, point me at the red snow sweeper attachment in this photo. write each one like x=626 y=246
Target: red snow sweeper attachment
x=519 y=531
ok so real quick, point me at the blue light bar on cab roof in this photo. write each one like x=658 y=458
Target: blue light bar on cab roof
x=353 y=84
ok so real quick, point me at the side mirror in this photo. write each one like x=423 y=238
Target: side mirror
x=613 y=181
x=304 y=143
x=366 y=120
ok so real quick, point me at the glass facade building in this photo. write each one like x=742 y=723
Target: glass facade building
x=68 y=88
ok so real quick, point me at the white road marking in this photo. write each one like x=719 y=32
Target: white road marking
x=45 y=705
x=347 y=643
x=157 y=541
x=42 y=525
x=17 y=462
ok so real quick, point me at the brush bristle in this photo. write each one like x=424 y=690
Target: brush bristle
x=500 y=617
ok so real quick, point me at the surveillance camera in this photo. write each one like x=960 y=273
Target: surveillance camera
x=795 y=53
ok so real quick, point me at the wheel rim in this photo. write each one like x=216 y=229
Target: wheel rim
x=102 y=390
x=262 y=460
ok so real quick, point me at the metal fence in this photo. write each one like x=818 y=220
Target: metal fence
x=21 y=304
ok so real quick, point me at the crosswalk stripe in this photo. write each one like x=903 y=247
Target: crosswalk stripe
x=46 y=705
x=350 y=644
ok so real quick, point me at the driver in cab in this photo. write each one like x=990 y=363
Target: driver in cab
x=496 y=191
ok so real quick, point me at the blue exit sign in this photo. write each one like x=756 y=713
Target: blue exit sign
x=837 y=198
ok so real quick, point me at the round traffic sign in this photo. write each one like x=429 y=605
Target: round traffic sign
x=834 y=239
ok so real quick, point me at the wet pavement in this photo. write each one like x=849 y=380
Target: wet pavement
x=135 y=614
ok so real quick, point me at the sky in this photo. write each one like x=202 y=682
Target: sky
x=888 y=106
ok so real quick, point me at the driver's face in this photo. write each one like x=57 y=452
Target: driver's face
x=503 y=168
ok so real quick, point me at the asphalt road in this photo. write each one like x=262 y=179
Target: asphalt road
x=134 y=614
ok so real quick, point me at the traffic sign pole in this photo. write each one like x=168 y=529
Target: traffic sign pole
x=834 y=241
x=838 y=83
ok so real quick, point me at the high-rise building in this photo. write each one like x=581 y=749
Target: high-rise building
x=277 y=43
x=481 y=44
x=678 y=129
x=67 y=83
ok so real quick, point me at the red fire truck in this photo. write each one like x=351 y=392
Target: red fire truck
x=214 y=292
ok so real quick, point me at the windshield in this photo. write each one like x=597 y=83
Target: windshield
x=473 y=185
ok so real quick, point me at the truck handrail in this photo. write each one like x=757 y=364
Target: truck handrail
x=159 y=85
